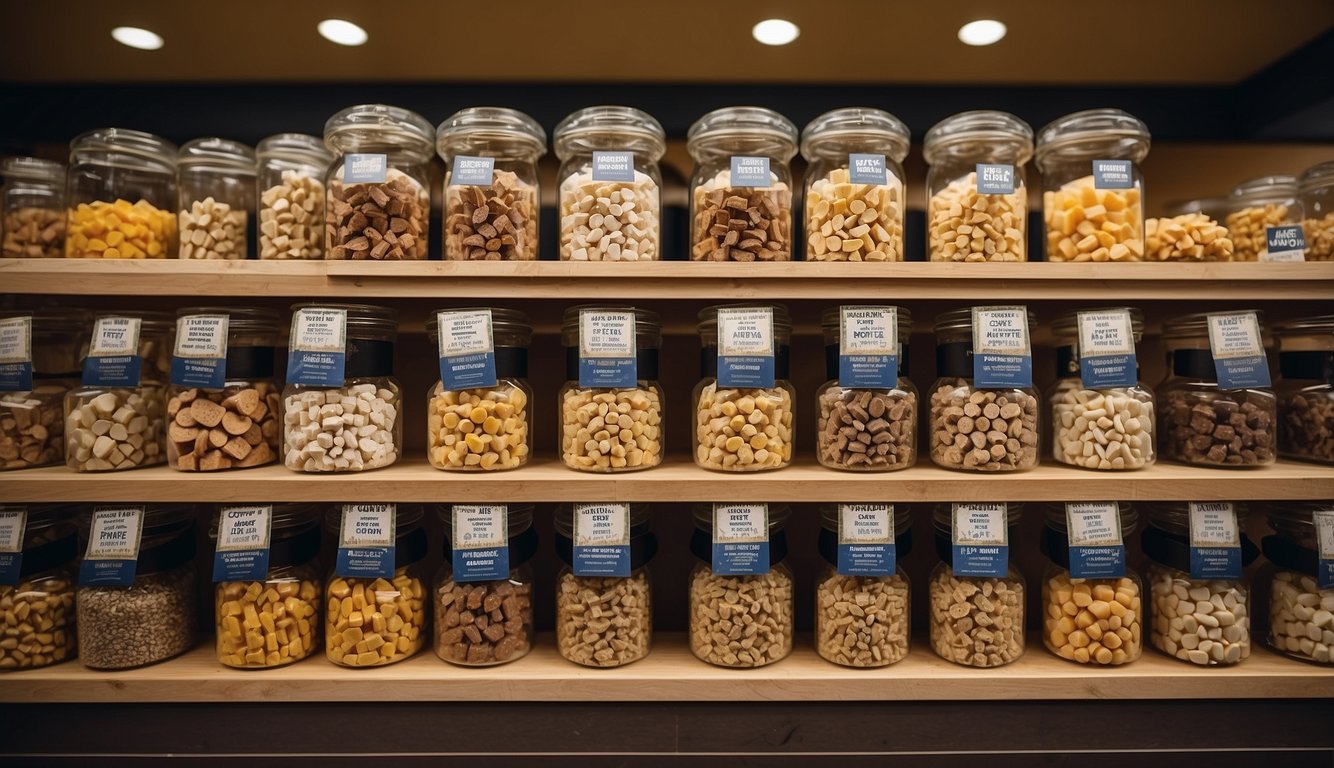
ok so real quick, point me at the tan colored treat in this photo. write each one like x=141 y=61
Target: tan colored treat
x=976 y=621
x=867 y=429
x=1089 y=224
x=38 y=619
x=152 y=621
x=212 y=230
x=1301 y=617
x=963 y=225
x=478 y=429
x=862 y=621
x=377 y=221
x=243 y=419
x=1248 y=228
x=1092 y=621
x=853 y=222
x=603 y=621
x=741 y=223
x=290 y=218
x=119 y=428
x=483 y=623
x=262 y=624
x=1307 y=429
x=495 y=223
x=743 y=430
x=368 y=622
x=741 y=621
x=347 y=429
x=32 y=427
x=1102 y=429
x=1205 y=622
x=609 y=430
x=34 y=233
x=1319 y=238
x=608 y=220
x=981 y=429
x=1188 y=237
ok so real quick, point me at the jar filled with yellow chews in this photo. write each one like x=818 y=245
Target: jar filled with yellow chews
x=121 y=192
x=267 y=584
x=375 y=601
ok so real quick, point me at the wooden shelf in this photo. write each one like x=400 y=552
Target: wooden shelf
x=670 y=280
x=677 y=480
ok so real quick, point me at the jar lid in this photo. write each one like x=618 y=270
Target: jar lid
x=1212 y=207
x=219 y=155
x=53 y=321
x=239 y=319
x=647 y=322
x=1067 y=326
x=476 y=127
x=520 y=517
x=303 y=146
x=151 y=323
x=902 y=518
x=743 y=122
x=602 y=127
x=1317 y=176
x=126 y=148
x=365 y=317
x=640 y=520
x=1197 y=325
x=1056 y=519
x=407 y=517
x=379 y=123
x=44 y=515
x=1090 y=131
x=1306 y=326
x=778 y=516
x=708 y=317
x=158 y=519
x=284 y=517
x=504 y=322
x=1265 y=189
x=851 y=124
x=831 y=320
x=1174 y=516
x=942 y=516
x=960 y=319
x=1294 y=513
x=33 y=169
x=981 y=126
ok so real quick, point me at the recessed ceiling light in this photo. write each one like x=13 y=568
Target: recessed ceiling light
x=137 y=38
x=981 y=32
x=342 y=32
x=775 y=31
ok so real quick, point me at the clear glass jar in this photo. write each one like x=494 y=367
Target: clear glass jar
x=274 y=621
x=605 y=216
x=32 y=422
x=487 y=428
x=490 y=622
x=1201 y=422
x=1317 y=197
x=121 y=196
x=371 y=622
x=237 y=426
x=491 y=213
x=963 y=223
x=386 y=216
x=865 y=429
x=605 y=621
x=153 y=619
x=291 y=174
x=616 y=429
x=39 y=603
x=976 y=621
x=862 y=621
x=123 y=427
x=1098 y=621
x=1301 y=614
x=747 y=219
x=1191 y=231
x=1257 y=205
x=724 y=608
x=964 y=429
x=744 y=429
x=1093 y=212
x=1108 y=428
x=1305 y=389
x=1205 y=622
x=854 y=185
x=323 y=426
x=217 y=194
x=34 y=208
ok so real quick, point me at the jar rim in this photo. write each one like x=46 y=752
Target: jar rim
x=831 y=319
x=610 y=122
x=1202 y=205
x=309 y=147
x=1197 y=324
x=1274 y=188
x=1056 y=520
x=380 y=121
x=519 y=517
x=49 y=320
x=124 y=141
x=1294 y=512
x=1319 y=324
x=742 y=122
x=902 y=517
x=942 y=516
x=1092 y=124
x=284 y=516
x=1175 y=515
x=361 y=316
x=150 y=321
x=782 y=322
x=779 y=513
x=158 y=517
x=641 y=519
x=1317 y=176
x=238 y=318
x=503 y=320
x=491 y=123
x=1066 y=326
x=45 y=515
x=958 y=319
x=979 y=125
x=854 y=123
x=33 y=169
x=646 y=320
x=218 y=153
x=407 y=517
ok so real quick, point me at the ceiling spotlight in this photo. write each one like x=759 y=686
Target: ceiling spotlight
x=981 y=32
x=775 y=31
x=342 y=32
x=137 y=38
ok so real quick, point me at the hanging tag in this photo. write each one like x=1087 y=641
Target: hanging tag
x=601 y=540
x=1215 y=541
x=740 y=539
x=607 y=354
x=1324 y=531
x=113 y=353
x=467 y=349
x=1093 y=533
x=113 y=547
x=365 y=168
x=1002 y=355
x=868 y=347
x=13 y=524
x=867 y=169
x=750 y=172
x=481 y=550
x=472 y=171
x=995 y=179
x=981 y=540
x=1284 y=244
x=866 y=544
x=200 y=357
x=366 y=541
x=1107 y=349
x=613 y=166
x=16 y=354
x=1113 y=174
x=1238 y=350
x=317 y=348
x=746 y=347
x=242 y=551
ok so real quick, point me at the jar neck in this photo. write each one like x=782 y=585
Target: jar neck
x=1307 y=366
x=295 y=548
x=828 y=545
x=1172 y=548
x=642 y=549
x=368 y=358
x=646 y=364
x=1289 y=552
x=701 y=546
x=831 y=362
x=944 y=541
x=522 y=546
x=50 y=554
x=708 y=362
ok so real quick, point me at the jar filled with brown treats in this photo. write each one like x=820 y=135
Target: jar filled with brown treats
x=34 y=208
x=1300 y=573
x=976 y=596
x=121 y=196
x=291 y=174
x=217 y=194
x=1305 y=389
x=1262 y=207
x=863 y=615
x=41 y=350
x=1316 y=186
x=37 y=585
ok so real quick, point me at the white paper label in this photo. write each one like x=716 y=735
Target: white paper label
x=976 y=523
x=1324 y=526
x=115 y=337
x=13 y=522
x=480 y=526
x=865 y=523
x=115 y=533
x=1235 y=334
x=601 y=524
x=744 y=332
x=1000 y=331
x=368 y=525
x=606 y=334
x=1106 y=333
x=1213 y=524
x=318 y=329
x=740 y=522
x=1093 y=523
x=244 y=527
x=202 y=335
x=16 y=339
x=464 y=333
x=869 y=331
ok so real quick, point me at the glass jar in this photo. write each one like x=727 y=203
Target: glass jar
x=1257 y=205
x=323 y=426
x=237 y=426
x=854 y=185
x=605 y=620
x=217 y=194
x=291 y=196
x=866 y=429
x=1301 y=612
x=1191 y=231
x=1204 y=423
x=1099 y=620
x=37 y=596
x=153 y=619
x=482 y=622
x=34 y=208
x=371 y=622
x=967 y=221
x=383 y=211
x=1092 y=186
x=1107 y=428
x=274 y=621
x=612 y=429
x=723 y=608
x=749 y=217
x=32 y=421
x=862 y=620
x=123 y=426
x=121 y=192
x=491 y=186
x=1317 y=197
x=965 y=433
x=484 y=428
x=1204 y=621
x=610 y=204
x=1305 y=389
x=976 y=621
